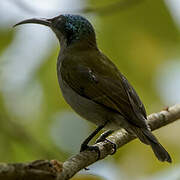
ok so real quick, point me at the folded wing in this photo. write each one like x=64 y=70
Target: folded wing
x=114 y=93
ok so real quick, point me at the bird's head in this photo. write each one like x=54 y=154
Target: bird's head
x=68 y=28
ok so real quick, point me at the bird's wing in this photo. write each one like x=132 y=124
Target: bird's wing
x=134 y=99
x=113 y=93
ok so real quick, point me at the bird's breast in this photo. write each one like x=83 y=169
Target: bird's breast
x=84 y=107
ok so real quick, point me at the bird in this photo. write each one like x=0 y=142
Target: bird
x=94 y=87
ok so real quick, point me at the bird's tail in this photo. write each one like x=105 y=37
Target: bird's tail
x=146 y=136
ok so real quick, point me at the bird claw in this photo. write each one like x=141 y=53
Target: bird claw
x=114 y=146
x=101 y=139
x=85 y=147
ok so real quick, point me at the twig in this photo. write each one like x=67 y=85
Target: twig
x=37 y=170
x=53 y=170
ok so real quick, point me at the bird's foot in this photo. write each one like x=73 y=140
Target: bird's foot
x=85 y=147
x=114 y=146
x=103 y=136
x=100 y=139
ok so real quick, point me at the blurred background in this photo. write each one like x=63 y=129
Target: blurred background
x=140 y=36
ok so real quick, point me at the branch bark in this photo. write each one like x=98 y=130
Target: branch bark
x=54 y=170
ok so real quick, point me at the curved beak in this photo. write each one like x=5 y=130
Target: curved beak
x=41 y=21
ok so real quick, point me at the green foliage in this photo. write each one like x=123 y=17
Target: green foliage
x=6 y=38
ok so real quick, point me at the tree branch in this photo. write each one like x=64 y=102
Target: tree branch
x=54 y=170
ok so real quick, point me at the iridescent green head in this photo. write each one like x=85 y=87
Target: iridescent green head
x=71 y=28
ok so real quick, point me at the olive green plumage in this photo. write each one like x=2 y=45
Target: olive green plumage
x=93 y=86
